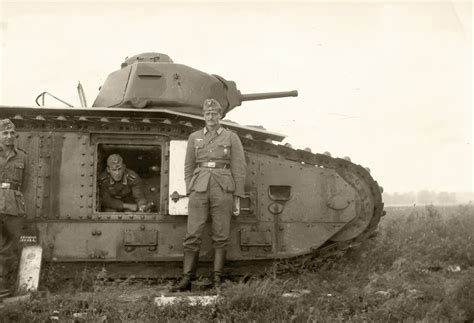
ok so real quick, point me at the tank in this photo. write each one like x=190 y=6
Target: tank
x=298 y=204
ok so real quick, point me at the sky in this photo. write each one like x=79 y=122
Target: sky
x=387 y=83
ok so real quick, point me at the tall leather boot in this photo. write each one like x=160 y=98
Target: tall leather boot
x=189 y=271
x=219 y=260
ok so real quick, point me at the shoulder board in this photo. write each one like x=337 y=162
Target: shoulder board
x=231 y=130
x=132 y=177
x=196 y=133
x=103 y=177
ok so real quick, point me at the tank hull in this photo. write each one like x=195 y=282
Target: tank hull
x=296 y=202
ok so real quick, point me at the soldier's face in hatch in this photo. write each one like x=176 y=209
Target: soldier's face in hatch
x=116 y=171
x=7 y=137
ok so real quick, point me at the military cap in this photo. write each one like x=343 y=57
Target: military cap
x=114 y=160
x=212 y=105
x=6 y=124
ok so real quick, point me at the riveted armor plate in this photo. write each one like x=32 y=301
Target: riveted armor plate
x=140 y=238
x=250 y=238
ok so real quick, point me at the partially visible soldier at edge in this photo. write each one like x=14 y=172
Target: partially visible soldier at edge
x=12 y=203
x=215 y=176
x=121 y=188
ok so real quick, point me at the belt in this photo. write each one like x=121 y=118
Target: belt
x=9 y=186
x=214 y=165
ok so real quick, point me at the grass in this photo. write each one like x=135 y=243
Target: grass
x=420 y=267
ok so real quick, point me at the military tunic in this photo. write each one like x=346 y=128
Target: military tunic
x=12 y=171
x=114 y=194
x=212 y=189
x=12 y=206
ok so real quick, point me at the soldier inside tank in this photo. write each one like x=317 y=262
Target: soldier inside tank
x=12 y=203
x=121 y=188
x=215 y=171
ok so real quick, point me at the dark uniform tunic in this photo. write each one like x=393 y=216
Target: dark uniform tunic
x=214 y=172
x=12 y=205
x=114 y=194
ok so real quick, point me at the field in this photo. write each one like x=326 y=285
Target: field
x=419 y=267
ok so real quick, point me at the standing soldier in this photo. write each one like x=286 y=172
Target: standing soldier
x=121 y=188
x=12 y=203
x=215 y=175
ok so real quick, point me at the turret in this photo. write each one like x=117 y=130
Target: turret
x=152 y=80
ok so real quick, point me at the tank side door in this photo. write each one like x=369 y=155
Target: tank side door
x=178 y=202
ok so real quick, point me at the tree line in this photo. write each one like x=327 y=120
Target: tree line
x=427 y=197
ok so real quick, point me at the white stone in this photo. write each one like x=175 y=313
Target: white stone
x=192 y=300
x=29 y=269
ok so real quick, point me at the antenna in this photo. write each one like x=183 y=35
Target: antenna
x=82 y=96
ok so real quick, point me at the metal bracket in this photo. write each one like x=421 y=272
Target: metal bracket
x=250 y=238
x=140 y=238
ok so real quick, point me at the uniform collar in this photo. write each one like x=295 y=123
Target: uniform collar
x=219 y=131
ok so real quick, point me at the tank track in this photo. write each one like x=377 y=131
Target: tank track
x=356 y=175
x=180 y=127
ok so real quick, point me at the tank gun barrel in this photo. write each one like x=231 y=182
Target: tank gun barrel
x=267 y=95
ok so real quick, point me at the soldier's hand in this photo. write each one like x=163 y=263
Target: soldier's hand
x=236 y=206
x=130 y=207
x=148 y=208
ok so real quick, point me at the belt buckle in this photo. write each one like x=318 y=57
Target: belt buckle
x=211 y=164
x=5 y=185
